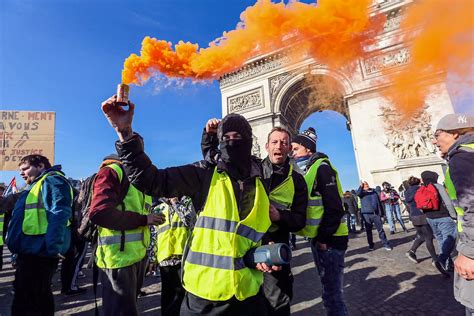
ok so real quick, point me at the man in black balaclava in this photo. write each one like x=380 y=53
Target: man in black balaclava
x=233 y=216
x=235 y=141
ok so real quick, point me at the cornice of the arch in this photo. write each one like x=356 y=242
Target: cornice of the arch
x=282 y=83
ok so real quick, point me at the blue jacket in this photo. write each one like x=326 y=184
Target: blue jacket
x=410 y=199
x=370 y=202
x=57 y=200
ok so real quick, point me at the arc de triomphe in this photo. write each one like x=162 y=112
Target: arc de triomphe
x=271 y=90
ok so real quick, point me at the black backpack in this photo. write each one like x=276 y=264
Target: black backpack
x=86 y=230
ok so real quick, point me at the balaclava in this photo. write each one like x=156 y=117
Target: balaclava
x=236 y=153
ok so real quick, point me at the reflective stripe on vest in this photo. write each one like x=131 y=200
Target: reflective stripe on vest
x=172 y=235
x=214 y=267
x=229 y=227
x=452 y=190
x=118 y=249
x=35 y=221
x=315 y=209
x=281 y=197
x=214 y=261
x=2 y=216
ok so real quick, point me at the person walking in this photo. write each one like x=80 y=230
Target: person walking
x=171 y=240
x=234 y=216
x=371 y=211
x=39 y=232
x=122 y=215
x=360 y=222
x=443 y=226
x=454 y=137
x=424 y=234
x=288 y=202
x=325 y=223
x=390 y=199
x=350 y=206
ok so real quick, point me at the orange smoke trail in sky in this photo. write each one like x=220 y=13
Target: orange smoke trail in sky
x=334 y=32
x=441 y=34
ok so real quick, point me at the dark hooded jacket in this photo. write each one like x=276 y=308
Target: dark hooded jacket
x=326 y=186
x=461 y=169
x=429 y=177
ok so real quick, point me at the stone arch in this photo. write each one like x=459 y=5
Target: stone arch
x=307 y=92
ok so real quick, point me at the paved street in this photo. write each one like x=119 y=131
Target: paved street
x=376 y=283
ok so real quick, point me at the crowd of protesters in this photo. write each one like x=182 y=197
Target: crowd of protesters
x=198 y=225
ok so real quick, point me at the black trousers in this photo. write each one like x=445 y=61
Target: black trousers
x=172 y=291
x=424 y=234
x=278 y=290
x=33 y=295
x=374 y=219
x=71 y=266
x=120 y=288
x=195 y=306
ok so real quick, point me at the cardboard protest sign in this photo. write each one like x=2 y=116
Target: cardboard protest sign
x=24 y=133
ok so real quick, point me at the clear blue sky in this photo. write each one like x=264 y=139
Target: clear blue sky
x=66 y=56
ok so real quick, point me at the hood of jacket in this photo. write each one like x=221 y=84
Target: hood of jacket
x=462 y=140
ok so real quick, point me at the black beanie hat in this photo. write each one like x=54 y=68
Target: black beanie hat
x=307 y=139
x=234 y=123
x=429 y=177
x=111 y=157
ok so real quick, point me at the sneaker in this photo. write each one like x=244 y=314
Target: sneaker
x=388 y=248
x=142 y=293
x=74 y=292
x=441 y=268
x=411 y=256
x=371 y=248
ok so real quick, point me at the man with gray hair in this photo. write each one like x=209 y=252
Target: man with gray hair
x=454 y=138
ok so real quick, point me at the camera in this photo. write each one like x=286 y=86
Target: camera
x=272 y=255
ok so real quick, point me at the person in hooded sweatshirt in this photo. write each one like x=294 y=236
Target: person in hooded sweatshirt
x=444 y=228
x=325 y=219
x=233 y=217
x=424 y=233
x=454 y=138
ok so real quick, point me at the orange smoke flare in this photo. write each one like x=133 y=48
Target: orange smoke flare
x=441 y=34
x=334 y=32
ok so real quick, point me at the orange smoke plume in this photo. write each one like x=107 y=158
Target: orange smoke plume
x=334 y=32
x=441 y=35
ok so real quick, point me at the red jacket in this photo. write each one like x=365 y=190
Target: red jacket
x=105 y=209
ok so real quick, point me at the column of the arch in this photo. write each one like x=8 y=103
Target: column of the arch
x=352 y=102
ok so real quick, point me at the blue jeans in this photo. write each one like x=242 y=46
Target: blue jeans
x=330 y=264
x=370 y=220
x=444 y=229
x=351 y=222
x=393 y=213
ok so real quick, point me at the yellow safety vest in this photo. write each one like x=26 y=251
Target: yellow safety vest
x=282 y=196
x=452 y=190
x=118 y=249
x=315 y=209
x=172 y=235
x=214 y=268
x=35 y=221
x=2 y=217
